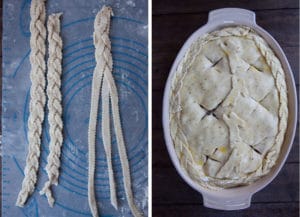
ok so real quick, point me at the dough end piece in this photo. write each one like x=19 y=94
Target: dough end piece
x=47 y=191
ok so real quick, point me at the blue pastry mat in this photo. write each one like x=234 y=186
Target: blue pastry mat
x=128 y=35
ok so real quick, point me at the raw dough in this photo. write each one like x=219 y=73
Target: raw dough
x=103 y=71
x=228 y=108
x=106 y=136
x=37 y=98
x=54 y=104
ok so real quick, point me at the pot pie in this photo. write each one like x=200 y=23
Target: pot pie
x=228 y=108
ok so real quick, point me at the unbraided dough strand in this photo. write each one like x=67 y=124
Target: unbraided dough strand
x=54 y=104
x=37 y=96
x=121 y=145
x=106 y=136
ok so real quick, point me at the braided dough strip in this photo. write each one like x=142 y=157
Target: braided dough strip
x=100 y=29
x=54 y=104
x=104 y=65
x=108 y=78
x=37 y=98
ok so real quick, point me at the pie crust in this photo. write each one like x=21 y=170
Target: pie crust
x=228 y=108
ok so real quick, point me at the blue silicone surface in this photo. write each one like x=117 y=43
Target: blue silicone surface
x=129 y=48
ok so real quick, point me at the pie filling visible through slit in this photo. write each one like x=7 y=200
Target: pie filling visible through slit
x=228 y=108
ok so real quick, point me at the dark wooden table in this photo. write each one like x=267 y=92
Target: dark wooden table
x=173 y=21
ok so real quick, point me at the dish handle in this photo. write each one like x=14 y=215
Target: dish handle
x=227 y=203
x=231 y=15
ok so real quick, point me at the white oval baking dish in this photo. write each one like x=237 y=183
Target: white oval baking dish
x=238 y=197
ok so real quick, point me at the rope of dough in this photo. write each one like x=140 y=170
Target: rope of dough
x=106 y=136
x=54 y=104
x=108 y=78
x=37 y=98
x=100 y=29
